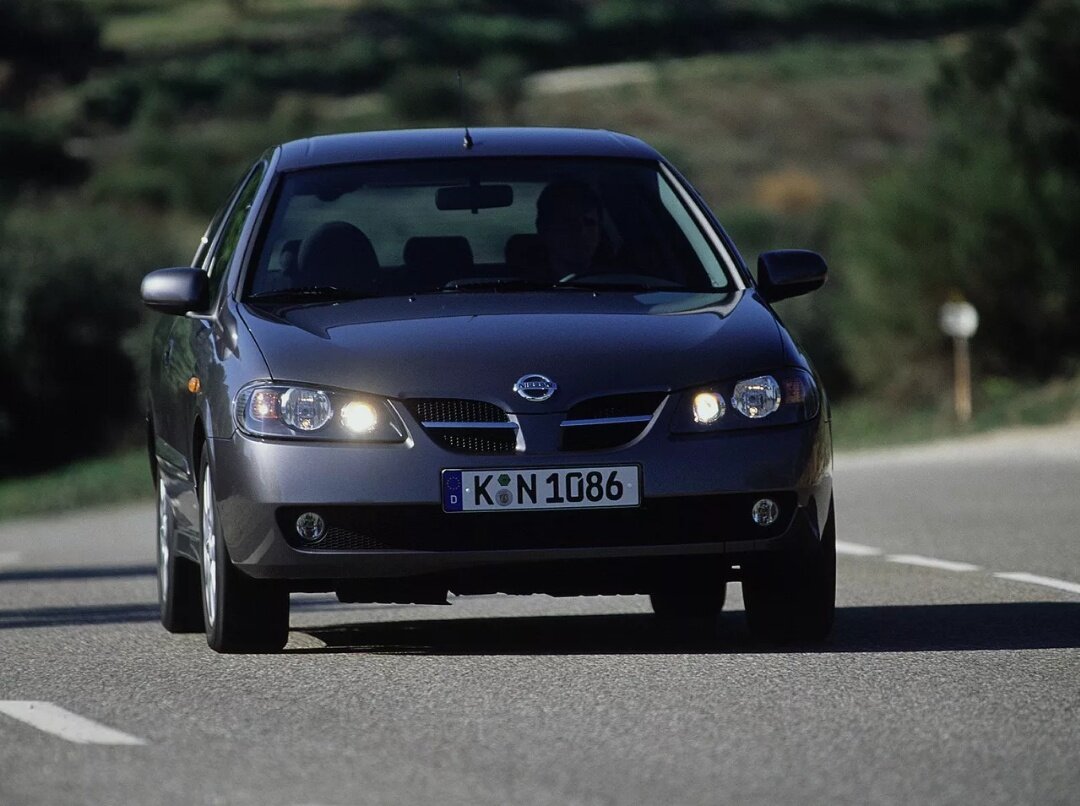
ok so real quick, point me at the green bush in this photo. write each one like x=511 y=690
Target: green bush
x=68 y=300
x=425 y=94
x=991 y=213
x=32 y=154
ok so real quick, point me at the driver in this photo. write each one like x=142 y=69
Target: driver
x=568 y=223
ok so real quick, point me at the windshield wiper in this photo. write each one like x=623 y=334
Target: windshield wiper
x=626 y=285
x=496 y=284
x=313 y=292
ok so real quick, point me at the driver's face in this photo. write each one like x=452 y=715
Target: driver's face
x=572 y=233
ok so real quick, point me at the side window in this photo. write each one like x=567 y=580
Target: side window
x=208 y=238
x=218 y=266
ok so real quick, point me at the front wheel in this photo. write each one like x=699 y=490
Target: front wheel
x=795 y=601
x=241 y=614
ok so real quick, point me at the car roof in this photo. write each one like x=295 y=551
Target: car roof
x=336 y=149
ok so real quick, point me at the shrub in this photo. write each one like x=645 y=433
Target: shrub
x=70 y=298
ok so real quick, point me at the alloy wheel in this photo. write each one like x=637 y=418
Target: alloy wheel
x=209 y=549
x=163 y=542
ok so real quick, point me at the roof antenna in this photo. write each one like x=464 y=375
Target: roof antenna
x=468 y=141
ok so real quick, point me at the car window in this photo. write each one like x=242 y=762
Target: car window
x=409 y=227
x=218 y=265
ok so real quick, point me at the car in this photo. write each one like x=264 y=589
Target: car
x=522 y=360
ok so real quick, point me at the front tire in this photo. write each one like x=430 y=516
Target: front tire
x=795 y=601
x=241 y=614
x=177 y=577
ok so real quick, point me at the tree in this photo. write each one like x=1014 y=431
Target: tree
x=43 y=39
x=991 y=212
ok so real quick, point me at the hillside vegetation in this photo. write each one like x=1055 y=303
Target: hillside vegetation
x=927 y=148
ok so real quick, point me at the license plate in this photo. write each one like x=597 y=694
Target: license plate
x=548 y=488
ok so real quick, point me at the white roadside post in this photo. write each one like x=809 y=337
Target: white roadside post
x=959 y=320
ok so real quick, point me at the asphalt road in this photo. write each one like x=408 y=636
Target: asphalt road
x=945 y=682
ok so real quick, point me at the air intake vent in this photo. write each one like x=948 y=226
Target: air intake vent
x=451 y=410
x=608 y=422
x=466 y=426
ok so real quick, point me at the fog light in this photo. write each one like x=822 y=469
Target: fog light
x=311 y=527
x=765 y=512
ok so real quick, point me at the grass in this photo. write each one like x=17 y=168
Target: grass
x=857 y=424
x=123 y=477
x=828 y=114
x=998 y=403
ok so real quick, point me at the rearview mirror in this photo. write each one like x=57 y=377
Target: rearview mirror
x=474 y=197
x=789 y=273
x=176 y=291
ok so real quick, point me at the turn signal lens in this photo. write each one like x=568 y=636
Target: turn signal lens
x=266 y=404
x=708 y=408
x=359 y=417
x=757 y=397
x=306 y=409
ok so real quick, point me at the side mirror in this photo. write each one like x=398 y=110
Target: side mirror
x=789 y=273
x=176 y=291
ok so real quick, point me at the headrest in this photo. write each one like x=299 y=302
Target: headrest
x=338 y=254
x=525 y=250
x=443 y=251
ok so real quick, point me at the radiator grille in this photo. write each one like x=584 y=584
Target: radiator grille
x=466 y=426
x=608 y=422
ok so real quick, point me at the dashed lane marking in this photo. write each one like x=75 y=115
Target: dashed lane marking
x=1035 y=579
x=856 y=549
x=931 y=562
x=50 y=718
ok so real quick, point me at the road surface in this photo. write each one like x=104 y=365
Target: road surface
x=953 y=675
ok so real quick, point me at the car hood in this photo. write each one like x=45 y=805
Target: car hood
x=476 y=345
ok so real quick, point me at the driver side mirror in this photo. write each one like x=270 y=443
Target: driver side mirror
x=176 y=291
x=789 y=273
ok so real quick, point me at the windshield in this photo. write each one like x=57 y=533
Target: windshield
x=469 y=225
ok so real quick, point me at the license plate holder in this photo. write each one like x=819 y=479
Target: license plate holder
x=521 y=489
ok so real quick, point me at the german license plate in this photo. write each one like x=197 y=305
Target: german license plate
x=548 y=488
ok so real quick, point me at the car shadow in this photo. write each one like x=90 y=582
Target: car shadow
x=75 y=615
x=888 y=628
x=77 y=572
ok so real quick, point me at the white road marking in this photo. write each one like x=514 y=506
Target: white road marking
x=8 y=558
x=55 y=720
x=931 y=562
x=1035 y=579
x=856 y=549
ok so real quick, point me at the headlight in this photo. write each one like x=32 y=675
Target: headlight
x=305 y=412
x=756 y=398
x=778 y=398
x=708 y=408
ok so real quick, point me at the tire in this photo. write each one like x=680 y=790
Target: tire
x=795 y=601
x=241 y=614
x=177 y=578
x=696 y=602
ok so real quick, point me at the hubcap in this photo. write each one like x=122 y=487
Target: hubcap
x=209 y=550
x=163 y=540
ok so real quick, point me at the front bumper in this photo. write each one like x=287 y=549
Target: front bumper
x=383 y=506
